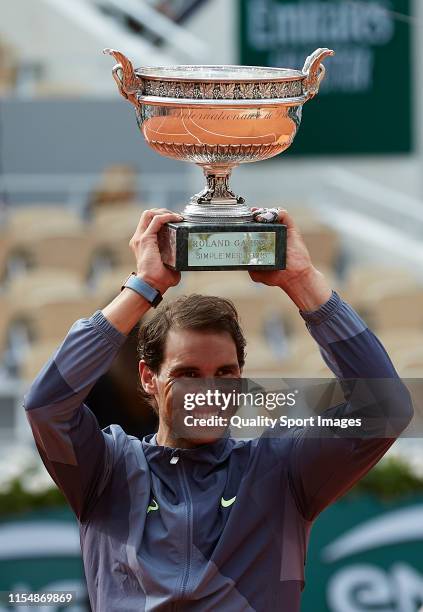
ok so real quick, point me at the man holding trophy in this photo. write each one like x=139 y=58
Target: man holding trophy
x=209 y=523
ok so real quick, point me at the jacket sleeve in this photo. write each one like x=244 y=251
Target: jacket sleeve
x=77 y=454
x=326 y=462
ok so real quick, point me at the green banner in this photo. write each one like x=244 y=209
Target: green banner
x=365 y=555
x=40 y=553
x=365 y=103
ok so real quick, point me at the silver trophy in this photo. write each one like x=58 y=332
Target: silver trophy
x=219 y=117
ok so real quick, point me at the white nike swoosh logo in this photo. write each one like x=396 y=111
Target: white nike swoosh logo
x=227 y=502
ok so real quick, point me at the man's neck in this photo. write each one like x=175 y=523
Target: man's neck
x=165 y=437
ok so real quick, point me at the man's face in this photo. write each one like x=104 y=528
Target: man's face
x=190 y=357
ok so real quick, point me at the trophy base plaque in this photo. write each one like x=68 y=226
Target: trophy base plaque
x=230 y=246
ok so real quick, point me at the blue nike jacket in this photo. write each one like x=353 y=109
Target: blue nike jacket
x=154 y=533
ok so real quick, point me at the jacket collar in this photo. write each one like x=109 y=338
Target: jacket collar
x=212 y=453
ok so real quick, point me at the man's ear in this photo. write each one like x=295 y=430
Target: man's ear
x=147 y=377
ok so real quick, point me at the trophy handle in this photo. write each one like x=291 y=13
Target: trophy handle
x=123 y=73
x=314 y=71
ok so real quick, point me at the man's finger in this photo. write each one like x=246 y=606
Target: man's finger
x=159 y=220
x=285 y=218
x=158 y=211
x=145 y=219
x=147 y=216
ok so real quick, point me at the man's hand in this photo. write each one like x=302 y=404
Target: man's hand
x=304 y=284
x=145 y=246
x=128 y=306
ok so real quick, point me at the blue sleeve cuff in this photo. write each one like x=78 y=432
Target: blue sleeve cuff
x=107 y=329
x=325 y=311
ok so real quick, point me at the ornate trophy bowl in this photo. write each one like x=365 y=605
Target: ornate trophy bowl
x=219 y=117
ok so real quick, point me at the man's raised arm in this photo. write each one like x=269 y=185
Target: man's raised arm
x=76 y=452
x=325 y=463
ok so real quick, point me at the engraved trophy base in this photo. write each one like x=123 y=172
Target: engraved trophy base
x=189 y=245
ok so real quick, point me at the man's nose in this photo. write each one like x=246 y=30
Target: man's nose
x=208 y=382
x=218 y=383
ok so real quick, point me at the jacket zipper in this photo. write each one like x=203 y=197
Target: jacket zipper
x=185 y=489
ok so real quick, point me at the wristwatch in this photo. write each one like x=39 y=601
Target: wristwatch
x=153 y=296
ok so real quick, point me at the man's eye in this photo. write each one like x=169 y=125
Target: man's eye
x=189 y=374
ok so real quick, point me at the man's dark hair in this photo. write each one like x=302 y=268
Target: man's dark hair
x=194 y=312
